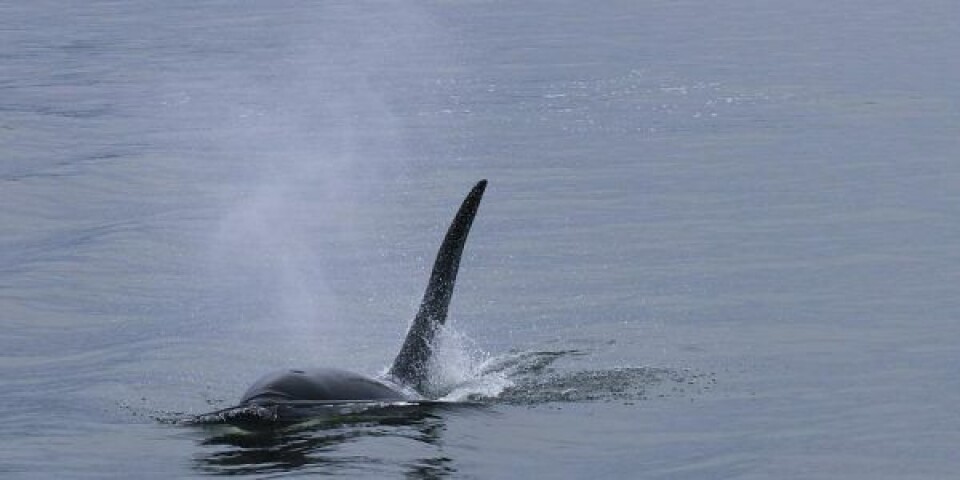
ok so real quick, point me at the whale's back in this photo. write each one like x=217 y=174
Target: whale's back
x=318 y=384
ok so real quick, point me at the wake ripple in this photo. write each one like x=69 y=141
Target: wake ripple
x=530 y=378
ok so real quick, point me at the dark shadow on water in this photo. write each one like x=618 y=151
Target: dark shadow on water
x=321 y=445
x=535 y=380
x=625 y=384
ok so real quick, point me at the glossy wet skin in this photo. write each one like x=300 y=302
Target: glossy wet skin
x=319 y=384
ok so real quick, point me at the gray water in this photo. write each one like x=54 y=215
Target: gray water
x=719 y=239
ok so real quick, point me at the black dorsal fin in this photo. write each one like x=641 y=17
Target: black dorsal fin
x=411 y=364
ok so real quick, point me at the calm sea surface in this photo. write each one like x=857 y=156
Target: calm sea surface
x=720 y=238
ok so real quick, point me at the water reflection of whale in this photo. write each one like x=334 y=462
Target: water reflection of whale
x=321 y=445
x=293 y=395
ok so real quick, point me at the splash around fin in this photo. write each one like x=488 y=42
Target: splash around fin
x=412 y=363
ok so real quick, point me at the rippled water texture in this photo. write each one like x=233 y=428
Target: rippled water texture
x=719 y=239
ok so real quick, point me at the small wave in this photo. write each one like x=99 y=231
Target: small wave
x=308 y=413
x=625 y=384
x=530 y=378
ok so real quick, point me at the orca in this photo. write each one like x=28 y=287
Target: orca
x=407 y=377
